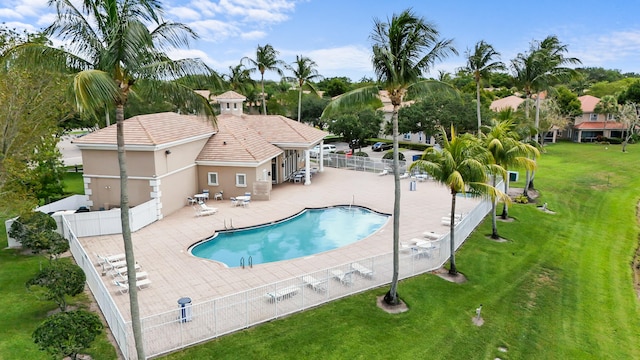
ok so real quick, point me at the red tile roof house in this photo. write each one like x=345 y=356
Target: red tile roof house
x=590 y=125
x=171 y=156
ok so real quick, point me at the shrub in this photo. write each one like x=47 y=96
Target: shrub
x=389 y=156
x=67 y=333
x=361 y=153
x=59 y=279
x=522 y=199
x=36 y=231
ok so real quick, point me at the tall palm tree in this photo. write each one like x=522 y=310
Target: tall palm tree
x=266 y=59
x=480 y=63
x=462 y=165
x=404 y=47
x=537 y=71
x=304 y=72
x=114 y=52
x=507 y=151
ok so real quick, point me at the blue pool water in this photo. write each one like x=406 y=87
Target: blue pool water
x=310 y=232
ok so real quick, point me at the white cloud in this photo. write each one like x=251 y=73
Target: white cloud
x=183 y=14
x=214 y=30
x=10 y=14
x=348 y=57
x=46 y=19
x=253 y=35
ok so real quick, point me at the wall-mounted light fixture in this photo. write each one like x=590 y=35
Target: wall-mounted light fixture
x=224 y=143
x=167 y=152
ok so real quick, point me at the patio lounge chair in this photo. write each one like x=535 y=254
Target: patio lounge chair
x=139 y=276
x=362 y=270
x=202 y=210
x=432 y=235
x=191 y=201
x=343 y=277
x=124 y=287
x=121 y=271
x=282 y=294
x=315 y=284
x=102 y=259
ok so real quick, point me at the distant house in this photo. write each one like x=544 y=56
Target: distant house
x=172 y=156
x=591 y=126
x=509 y=102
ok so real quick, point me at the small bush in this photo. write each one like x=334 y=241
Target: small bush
x=522 y=199
x=389 y=156
x=361 y=153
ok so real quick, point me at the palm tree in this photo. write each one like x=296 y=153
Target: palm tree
x=537 y=71
x=113 y=52
x=239 y=79
x=304 y=71
x=608 y=106
x=266 y=59
x=507 y=151
x=404 y=47
x=481 y=63
x=463 y=166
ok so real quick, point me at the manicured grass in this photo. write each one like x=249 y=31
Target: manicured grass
x=560 y=288
x=73 y=183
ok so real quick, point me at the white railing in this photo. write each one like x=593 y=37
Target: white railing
x=178 y=328
x=360 y=163
x=72 y=202
x=181 y=327
x=112 y=315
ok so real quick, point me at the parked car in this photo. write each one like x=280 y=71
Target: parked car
x=381 y=146
x=326 y=148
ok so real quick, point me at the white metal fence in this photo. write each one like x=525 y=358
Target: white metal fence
x=94 y=223
x=180 y=327
x=360 y=163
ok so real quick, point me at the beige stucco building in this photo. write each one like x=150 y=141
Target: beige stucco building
x=171 y=156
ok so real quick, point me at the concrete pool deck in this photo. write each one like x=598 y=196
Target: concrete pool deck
x=162 y=247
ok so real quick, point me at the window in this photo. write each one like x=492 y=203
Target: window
x=610 y=117
x=227 y=105
x=241 y=180
x=235 y=106
x=212 y=178
x=593 y=117
x=407 y=136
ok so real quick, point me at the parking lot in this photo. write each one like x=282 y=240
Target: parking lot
x=408 y=154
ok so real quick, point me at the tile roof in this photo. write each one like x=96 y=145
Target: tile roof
x=237 y=142
x=152 y=130
x=600 y=125
x=511 y=101
x=284 y=131
x=230 y=95
x=588 y=103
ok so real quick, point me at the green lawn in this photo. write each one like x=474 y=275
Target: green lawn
x=561 y=288
x=73 y=183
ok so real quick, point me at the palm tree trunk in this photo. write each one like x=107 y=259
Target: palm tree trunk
x=299 y=102
x=494 y=221
x=478 y=108
x=505 y=209
x=126 y=236
x=537 y=119
x=392 y=296
x=452 y=244
x=264 y=104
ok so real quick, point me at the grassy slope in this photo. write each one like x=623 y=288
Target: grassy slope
x=561 y=288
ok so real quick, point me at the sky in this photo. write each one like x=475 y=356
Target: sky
x=336 y=33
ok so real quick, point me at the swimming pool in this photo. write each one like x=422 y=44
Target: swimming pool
x=309 y=232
